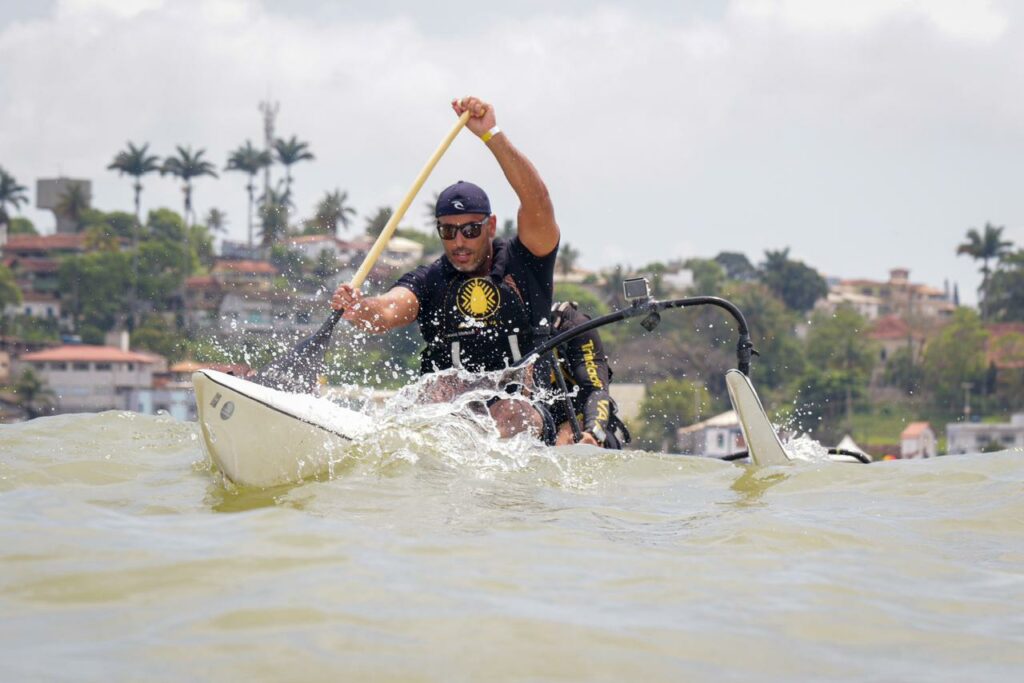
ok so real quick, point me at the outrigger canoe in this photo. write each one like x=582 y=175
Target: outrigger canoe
x=262 y=436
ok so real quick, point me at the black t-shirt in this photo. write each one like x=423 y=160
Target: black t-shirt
x=483 y=323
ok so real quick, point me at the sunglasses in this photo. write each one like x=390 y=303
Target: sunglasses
x=470 y=231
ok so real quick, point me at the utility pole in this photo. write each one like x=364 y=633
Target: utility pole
x=269 y=110
x=967 y=400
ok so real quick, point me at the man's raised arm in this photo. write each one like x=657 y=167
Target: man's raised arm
x=538 y=230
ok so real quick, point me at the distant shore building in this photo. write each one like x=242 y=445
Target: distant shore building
x=50 y=192
x=897 y=296
x=88 y=378
x=974 y=437
x=918 y=441
x=718 y=436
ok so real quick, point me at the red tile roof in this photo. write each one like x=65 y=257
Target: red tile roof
x=85 y=353
x=33 y=265
x=198 y=281
x=74 y=242
x=889 y=327
x=242 y=266
x=914 y=430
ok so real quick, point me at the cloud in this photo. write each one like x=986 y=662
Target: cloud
x=863 y=138
x=971 y=20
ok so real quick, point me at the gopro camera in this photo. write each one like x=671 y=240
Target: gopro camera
x=636 y=289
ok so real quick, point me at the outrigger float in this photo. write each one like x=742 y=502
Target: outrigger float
x=274 y=431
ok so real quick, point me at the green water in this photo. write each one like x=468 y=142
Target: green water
x=124 y=558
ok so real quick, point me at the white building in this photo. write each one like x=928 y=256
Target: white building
x=88 y=378
x=973 y=437
x=918 y=441
x=718 y=436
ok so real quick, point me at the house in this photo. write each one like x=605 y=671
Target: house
x=35 y=260
x=896 y=296
x=256 y=274
x=50 y=192
x=312 y=246
x=718 y=436
x=892 y=333
x=88 y=378
x=917 y=441
x=973 y=437
x=36 y=305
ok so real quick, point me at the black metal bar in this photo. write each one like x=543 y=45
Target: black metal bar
x=744 y=347
x=577 y=432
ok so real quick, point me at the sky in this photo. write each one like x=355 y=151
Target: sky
x=862 y=136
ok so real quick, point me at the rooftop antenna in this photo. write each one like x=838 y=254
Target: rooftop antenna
x=269 y=110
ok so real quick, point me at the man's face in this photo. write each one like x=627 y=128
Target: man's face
x=468 y=254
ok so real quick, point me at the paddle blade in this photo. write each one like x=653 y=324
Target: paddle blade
x=299 y=370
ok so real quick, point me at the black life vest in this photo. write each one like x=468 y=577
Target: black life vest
x=480 y=323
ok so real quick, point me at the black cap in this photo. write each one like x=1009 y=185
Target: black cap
x=462 y=197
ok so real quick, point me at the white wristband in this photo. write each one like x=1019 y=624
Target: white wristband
x=486 y=137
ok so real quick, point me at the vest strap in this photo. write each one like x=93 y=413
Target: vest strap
x=456 y=355
x=513 y=343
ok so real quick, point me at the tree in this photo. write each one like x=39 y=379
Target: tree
x=186 y=166
x=837 y=343
x=589 y=302
x=567 y=257
x=984 y=246
x=956 y=357
x=708 y=276
x=34 y=397
x=669 y=405
x=508 y=229
x=275 y=206
x=20 y=226
x=736 y=266
x=9 y=291
x=288 y=153
x=376 y=223
x=154 y=334
x=429 y=209
x=11 y=194
x=216 y=221
x=798 y=285
x=249 y=160
x=135 y=162
x=74 y=203
x=1004 y=296
x=96 y=284
x=331 y=211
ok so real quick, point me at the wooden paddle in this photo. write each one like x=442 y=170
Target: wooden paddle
x=299 y=370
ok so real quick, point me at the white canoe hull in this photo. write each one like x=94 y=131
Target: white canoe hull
x=257 y=436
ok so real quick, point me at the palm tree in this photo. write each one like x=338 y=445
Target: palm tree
x=74 y=203
x=376 y=223
x=290 y=152
x=275 y=206
x=136 y=162
x=186 y=166
x=251 y=161
x=11 y=193
x=216 y=220
x=333 y=210
x=567 y=257
x=982 y=247
x=34 y=397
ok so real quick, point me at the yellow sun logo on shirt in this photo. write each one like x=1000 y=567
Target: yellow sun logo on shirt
x=478 y=298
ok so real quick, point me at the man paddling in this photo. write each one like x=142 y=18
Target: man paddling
x=482 y=305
